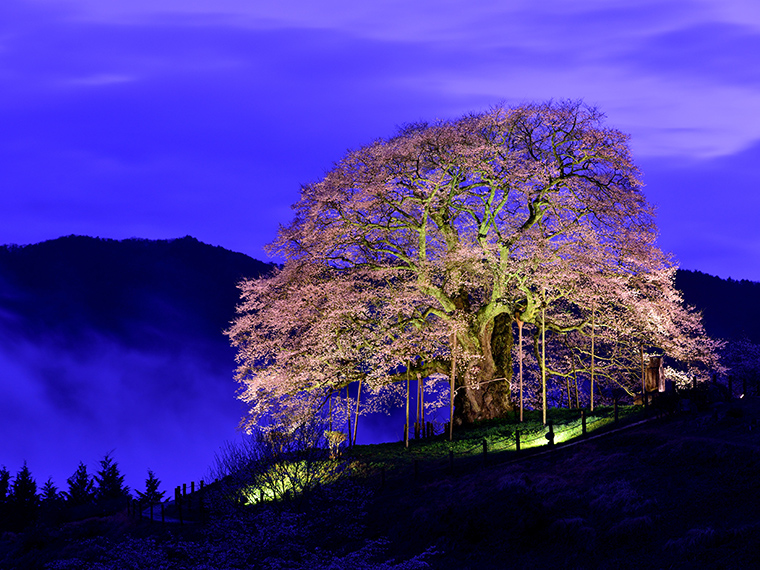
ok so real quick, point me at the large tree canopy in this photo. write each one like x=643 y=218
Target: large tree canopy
x=437 y=241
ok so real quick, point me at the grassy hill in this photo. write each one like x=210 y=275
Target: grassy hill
x=672 y=492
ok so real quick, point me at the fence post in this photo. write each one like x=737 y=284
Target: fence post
x=550 y=434
x=616 y=409
x=583 y=423
x=485 y=452
x=178 y=501
x=517 y=441
x=451 y=461
x=200 y=499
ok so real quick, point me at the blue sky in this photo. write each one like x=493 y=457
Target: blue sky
x=162 y=118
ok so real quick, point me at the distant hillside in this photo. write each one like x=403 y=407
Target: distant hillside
x=118 y=345
x=136 y=291
x=730 y=308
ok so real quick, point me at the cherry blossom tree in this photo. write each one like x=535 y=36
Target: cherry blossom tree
x=616 y=321
x=442 y=238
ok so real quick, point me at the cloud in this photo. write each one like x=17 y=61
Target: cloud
x=659 y=69
x=232 y=105
x=100 y=79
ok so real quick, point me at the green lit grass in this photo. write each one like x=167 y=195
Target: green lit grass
x=286 y=478
x=499 y=436
x=290 y=478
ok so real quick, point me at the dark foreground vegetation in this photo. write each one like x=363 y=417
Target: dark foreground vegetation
x=674 y=491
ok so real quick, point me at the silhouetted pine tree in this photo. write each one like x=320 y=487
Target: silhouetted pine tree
x=50 y=492
x=81 y=487
x=111 y=491
x=51 y=502
x=24 y=501
x=5 y=481
x=151 y=494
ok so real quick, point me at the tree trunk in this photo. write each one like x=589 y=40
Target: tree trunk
x=486 y=393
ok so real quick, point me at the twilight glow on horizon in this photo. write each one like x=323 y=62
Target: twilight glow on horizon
x=172 y=117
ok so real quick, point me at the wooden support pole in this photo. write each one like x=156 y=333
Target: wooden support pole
x=452 y=384
x=406 y=426
x=422 y=402
x=543 y=357
x=348 y=412
x=593 y=314
x=356 y=416
x=520 y=363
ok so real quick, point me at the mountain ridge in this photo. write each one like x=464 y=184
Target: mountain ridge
x=105 y=284
x=73 y=284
